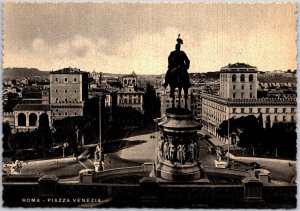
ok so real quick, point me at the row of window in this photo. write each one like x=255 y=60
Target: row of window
x=214 y=105
x=134 y=101
x=242 y=87
x=234 y=95
x=234 y=78
x=66 y=91
x=267 y=110
x=129 y=95
x=129 y=81
x=67 y=100
x=65 y=106
x=65 y=114
x=65 y=80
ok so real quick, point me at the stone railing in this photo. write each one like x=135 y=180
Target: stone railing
x=146 y=168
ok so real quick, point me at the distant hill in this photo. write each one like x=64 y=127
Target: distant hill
x=16 y=72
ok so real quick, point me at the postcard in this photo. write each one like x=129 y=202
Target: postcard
x=149 y=105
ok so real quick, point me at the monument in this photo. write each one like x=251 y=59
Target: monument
x=178 y=148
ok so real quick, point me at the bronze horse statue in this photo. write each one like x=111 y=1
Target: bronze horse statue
x=178 y=80
x=177 y=75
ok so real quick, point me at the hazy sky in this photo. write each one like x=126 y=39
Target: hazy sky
x=123 y=37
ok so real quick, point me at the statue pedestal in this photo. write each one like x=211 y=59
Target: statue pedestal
x=178 y=153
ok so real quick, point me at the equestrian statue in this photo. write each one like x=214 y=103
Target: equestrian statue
x=177 y=75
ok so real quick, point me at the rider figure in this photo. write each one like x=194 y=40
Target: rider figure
x=176 y=59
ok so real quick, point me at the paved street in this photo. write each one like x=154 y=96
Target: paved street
x=130 y=151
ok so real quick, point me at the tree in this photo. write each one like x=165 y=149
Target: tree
x=43 y=136
x=6 y=134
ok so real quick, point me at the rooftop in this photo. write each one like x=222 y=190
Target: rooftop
x=239 y=67
x=68 y=70
x=31 y=107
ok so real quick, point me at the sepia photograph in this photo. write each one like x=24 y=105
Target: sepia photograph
x=149 y=105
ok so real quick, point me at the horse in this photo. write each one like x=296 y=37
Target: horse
x=177 y=80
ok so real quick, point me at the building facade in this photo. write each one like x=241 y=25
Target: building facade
x=238 y=97
x=166 y=100
x=68 y=92
x=27 y=116
x=129 y=96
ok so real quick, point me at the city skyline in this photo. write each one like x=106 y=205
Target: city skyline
x=139 y=37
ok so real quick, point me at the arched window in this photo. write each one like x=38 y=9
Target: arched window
x=242 y=78
x=250 y=77
x=133 y=81
x=234 y=78
x=21 y=119
x=32 y=119
x=125 y=81
x=129 y=81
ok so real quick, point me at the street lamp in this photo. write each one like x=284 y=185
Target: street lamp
x=98 y=153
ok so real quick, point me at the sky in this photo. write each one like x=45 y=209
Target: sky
x=123 y=37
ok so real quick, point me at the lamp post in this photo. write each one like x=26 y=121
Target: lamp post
x=98 y=153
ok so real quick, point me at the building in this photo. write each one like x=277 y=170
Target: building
x=238 y=97
x=26 y=116
x=166 y=100
x=68 y=92
x=129 y=96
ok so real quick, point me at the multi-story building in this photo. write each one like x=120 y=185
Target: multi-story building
x=129 y=96
x=68 y=91
x=238 y=97
x=166 y=100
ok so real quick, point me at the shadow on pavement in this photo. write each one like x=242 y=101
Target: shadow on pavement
x=117 y=145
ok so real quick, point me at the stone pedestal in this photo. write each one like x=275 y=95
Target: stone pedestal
x=178 y=149
x=252 y=188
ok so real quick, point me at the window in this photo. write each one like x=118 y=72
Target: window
x=75 y=90
x=56 y=90
x=233 y=95
x=292 y=118
x=242 y=110
x=250 y=95
x=75 y=79
x=66 y=100
x=66 y=91
x=292 y=110
x=66 y=80
x=125 y=81
x=283 y=110
x=233 y=110
x=242 y=87
x=58 y=114
x=75 y=114
x=133 y=81
x=233 y=87
x=250 y=87
x=267 y=110
x=234 y=78
x=250 y=78
x=284 y=118
x=56 y=100
x=275 y=118
x=56 y=79
x=275 y=110
x=259 y=110
x=250 y=110
x=242 y=78
x=66 y=113
x=242 y=95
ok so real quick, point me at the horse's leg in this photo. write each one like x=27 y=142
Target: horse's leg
x=185 y=97
x=179 y=96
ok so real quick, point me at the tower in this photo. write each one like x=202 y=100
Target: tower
x=238 y=81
